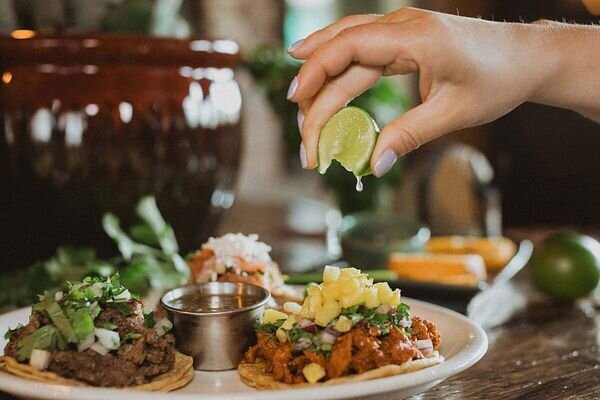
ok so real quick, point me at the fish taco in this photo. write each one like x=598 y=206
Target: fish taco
x=347 y=329
x=95 y=332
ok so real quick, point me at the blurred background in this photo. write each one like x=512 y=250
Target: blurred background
x=87 y=131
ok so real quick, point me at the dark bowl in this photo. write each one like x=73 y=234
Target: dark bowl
x=369 y=238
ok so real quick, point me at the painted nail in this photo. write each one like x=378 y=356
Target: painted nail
x=295 y=46
x=303 y=156
x=292 y=88
x=385 y=162
x=300 y=121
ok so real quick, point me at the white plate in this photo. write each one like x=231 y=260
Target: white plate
x=463 y=344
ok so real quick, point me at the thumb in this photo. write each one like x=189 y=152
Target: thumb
x=406 y=133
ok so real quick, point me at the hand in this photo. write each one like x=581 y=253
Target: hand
x=471 y=71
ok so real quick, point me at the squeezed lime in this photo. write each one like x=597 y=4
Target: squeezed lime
x=348 y=137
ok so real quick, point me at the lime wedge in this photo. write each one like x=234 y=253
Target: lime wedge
x=348 y=137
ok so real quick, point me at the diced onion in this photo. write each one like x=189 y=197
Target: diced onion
x=301 y=344
x=424 y=344
x=107 y=338
x=40 y=359
x=326 y=337
x=333 y=332
x=97 y=289
x=405 y=323
x=307 y=325
x=123 y=296
x=98 y=348
x=427 y=351
x=383 y=309
x=86 y=343
x=58 y=295
x=163 y=326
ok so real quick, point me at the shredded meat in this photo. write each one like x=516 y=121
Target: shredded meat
x=134 y=363
x=362 y=349
x=423 y=330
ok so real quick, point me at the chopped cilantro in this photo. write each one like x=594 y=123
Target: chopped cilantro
x=149 y=320
x=271 y=328
x=45 y=338
x=132 y=336
x=123 y=308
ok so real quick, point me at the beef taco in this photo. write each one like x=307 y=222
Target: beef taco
x=347 y=329
x=95 y=332
x=235 y=257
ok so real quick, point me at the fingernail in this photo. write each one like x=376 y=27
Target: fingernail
x=303 y=156
x=385 y=162
x=295 y=46
x=300 y=120
x=292 y=88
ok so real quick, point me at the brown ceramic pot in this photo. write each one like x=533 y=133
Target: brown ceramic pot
x=91 y=124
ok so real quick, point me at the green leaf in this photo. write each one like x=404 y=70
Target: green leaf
x=149 y=320
x=60 y=320
x=144 y=234
x=106 y=325
x=111 y=226
x=148 y=211
x=83 y=323
x=123 y=308
x=45 y=338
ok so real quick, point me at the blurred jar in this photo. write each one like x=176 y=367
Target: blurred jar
x=91 y=124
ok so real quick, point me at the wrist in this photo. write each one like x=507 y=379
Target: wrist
x=572 y=77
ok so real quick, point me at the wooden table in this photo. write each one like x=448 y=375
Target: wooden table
x=541 y=350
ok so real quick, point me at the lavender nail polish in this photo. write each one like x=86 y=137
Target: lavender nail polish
x=303 y=156
x=300 y=120
x=385 y=162
x=292 y=89
x=295 y=46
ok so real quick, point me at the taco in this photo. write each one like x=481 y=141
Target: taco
x=235 y=257
x=95 y=332
x=347 y=329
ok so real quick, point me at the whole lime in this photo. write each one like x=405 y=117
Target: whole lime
x=567 y=265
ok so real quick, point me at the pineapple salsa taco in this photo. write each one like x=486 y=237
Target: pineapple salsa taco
x=347 y=329
x=94 y=332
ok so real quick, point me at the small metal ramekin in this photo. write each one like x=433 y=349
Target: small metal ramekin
x=216 y=339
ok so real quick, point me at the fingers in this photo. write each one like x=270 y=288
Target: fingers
x=419 y=125
x=371 y=45
x=304 y=48
x=334 y=95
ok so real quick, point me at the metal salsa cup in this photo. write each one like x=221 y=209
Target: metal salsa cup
x=216 y=336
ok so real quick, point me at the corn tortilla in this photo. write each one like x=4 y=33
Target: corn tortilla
x=179 y=376
x=254 y=375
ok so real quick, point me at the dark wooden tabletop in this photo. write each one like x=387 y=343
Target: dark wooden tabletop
x=537 y=349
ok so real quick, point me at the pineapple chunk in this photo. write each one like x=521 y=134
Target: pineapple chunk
x=327 y=312
x=313 y=372
x=349 y=286
x=354 y=298
x=331 y=273
x=349 y=273
x=384 y=292
x=343 y=324
x=371 y=298
x=314 y=299
x=289 y=323
x=331 y=290
x=394 y=301
x=281 y=335
x=292 y=308
x=271 y=316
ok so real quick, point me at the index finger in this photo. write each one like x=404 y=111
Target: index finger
x=372 y=45
x=303 y=49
